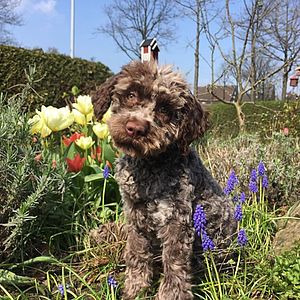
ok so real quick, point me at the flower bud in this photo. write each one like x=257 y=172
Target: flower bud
x=85 y=142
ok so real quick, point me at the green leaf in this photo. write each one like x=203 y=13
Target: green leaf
x=109 y=153
x=71 y=151
x=93 y=177
x=8 y=277
x=39 y=259
x=96 y=169
x=91 y=170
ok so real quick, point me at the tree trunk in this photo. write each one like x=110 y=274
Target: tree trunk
x=284 y=84
x=240 y=115
x=253 y=65
x=196 y=53
x=285 y=53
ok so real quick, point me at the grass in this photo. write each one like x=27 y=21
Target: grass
x=264 y=117
x=51 y=220
x=256 y=274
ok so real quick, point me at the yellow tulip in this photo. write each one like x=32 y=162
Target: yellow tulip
x=50 y=119
x=101 y=130
x=85 y=142
x=106 y=116
x=84 y=105
x=80 y=118
x=57 y=119
x=38 y=125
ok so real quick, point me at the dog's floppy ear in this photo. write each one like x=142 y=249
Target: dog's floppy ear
x=101 y=98
x=194 y=122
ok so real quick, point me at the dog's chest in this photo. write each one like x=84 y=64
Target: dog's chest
x=154 y=193
x=145 y=183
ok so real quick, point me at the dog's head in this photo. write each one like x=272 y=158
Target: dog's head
x=152 y=108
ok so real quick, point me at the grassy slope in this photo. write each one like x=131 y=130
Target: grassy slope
x=263 y=116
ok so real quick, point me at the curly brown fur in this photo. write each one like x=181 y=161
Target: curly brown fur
x=154 y=119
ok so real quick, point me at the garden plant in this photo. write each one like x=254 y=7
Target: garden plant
x=57 y=186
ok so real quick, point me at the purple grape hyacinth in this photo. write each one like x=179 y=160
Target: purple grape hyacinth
x=207 y=243
x=242 y=238
x=253 y=176
x=106 y=172
x=253 y=187
x=243 y=197
x=238 y=214
x=61 y=289
x=112 y=281
x=199 y=219
x=231 y=183
x=261 y=169
x=265 y=182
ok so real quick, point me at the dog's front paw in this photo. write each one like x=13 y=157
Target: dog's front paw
x=172 y=290
x=134 y=291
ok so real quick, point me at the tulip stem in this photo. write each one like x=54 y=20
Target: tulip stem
x=61 y=146
x=102 y=153
x=85 y=128
x=86 y=156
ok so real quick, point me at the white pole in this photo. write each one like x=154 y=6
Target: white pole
x=72 y=29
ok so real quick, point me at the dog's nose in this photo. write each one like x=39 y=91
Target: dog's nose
x=137 y=128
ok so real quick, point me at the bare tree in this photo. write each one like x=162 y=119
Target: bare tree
x=8 y=17
x=282 y=37
x=255 y=12
x=264 y=65
x=131 y=21
x=239 y=54
x=197 y=11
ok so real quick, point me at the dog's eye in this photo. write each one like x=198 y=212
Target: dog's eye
x=131 y=95
x=131 y=99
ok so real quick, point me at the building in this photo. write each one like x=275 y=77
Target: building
x=149 y=50
x=227 y=93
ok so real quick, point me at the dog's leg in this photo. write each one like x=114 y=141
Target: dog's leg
x=138 y=259
x=177 y=242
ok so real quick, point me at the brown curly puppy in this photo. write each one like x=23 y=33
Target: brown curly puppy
x=154 y=119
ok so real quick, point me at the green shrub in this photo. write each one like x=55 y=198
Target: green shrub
x=56 y=74
x=262 y=118
x=26 y=186
x=50 y=199
x=283 y=274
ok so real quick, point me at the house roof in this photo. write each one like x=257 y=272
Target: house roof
x=227 y=93
x=150 y=42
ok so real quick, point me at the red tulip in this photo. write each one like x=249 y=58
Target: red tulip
x=75 y=164
x=75 y=136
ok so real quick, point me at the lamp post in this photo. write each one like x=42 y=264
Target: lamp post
x=72 y=44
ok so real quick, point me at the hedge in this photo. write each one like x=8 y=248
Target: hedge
x=54 y=78
x=263 y=118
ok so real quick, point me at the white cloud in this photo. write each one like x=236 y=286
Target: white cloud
x=46 y=6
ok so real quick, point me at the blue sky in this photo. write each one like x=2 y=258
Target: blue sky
x=46 y=23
